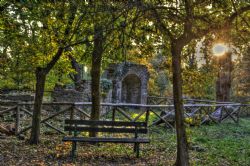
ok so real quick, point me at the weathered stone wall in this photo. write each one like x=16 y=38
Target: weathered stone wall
x=61 y=94
x=67 y=95
x=129 y=85
x=130 y=82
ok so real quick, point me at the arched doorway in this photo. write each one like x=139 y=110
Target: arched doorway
x=131 y=89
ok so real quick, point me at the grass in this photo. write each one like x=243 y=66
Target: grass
x=224 y=144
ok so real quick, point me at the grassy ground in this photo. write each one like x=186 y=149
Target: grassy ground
x=224 y=144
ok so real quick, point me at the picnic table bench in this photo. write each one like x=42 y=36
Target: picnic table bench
x=77 y=126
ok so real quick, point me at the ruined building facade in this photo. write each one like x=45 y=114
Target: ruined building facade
x=128 y=84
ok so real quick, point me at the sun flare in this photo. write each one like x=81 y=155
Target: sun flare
x=219 y=49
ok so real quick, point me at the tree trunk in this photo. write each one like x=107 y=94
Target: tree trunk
x=40 y=84
x=41 y=77
x=224 y=80
x=182 y=146
x=95 y=74
x=77 y=76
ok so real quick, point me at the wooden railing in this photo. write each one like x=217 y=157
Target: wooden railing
x=169 y=100
x=22 y=112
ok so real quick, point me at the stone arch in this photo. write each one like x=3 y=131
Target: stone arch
x=120 y=74
x=131 y=89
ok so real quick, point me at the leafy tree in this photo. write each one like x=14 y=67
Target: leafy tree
x=180 y=22
x=46 y=31
x=243 y=71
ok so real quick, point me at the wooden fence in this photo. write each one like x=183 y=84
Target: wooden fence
x=119 y=111
x=169 y=100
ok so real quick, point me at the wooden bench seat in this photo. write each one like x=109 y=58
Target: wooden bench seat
x=132 y=128
x=106 y=140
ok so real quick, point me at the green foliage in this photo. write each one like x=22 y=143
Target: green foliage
x=160 y=74
x=242 y=70
x=152 y=117
x=6 y=83
x=106 y=85
x=162 y=82
x=199 y=84
x=193 y=121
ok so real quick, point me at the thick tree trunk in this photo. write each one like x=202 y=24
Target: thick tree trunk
x=41 y=77
x=224 y=80
x=182 y=146
x=41 y=74
x=40 y=84
x=95 y=74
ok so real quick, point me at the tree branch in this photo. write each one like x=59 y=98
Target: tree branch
x=56 y=57
x=237 y=13
x=161 y=26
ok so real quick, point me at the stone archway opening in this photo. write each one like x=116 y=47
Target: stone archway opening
x=131 y=89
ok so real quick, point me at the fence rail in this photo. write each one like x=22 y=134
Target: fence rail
x=153 y=114
x=169 y=100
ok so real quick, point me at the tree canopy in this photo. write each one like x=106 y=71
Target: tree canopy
x=44 y=43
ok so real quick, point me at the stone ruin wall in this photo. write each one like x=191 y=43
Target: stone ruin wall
x=61 y=94
x=130 y=82
x=129 y=85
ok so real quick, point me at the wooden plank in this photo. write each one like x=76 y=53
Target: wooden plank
x=44 y=121
x=56 y=114
x=162 y=118
x=132 y=105
x=8 y=110
x=83 y=112
x=108 y=130
x=106 y=123
x=111 y=140
x=231 y=115
x=124 y=114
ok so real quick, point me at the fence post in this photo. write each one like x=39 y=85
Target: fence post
x=113 y=114
x=72 y=110
x=238 y=115
x=147 y=115
x=221 y=114
x=17 y=125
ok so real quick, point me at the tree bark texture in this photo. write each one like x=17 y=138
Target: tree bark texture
x=41 y=74
x=40 y=84
x=182 y=146
x=95 y=74
x=224 y=80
